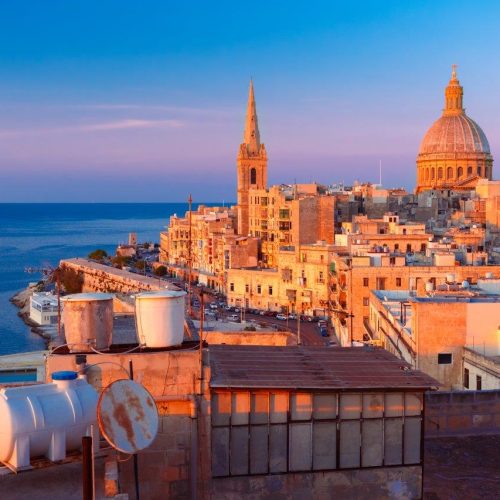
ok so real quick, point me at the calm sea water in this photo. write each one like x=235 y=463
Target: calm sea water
x=37 y=235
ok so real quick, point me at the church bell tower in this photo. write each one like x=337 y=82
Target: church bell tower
x=251 y=164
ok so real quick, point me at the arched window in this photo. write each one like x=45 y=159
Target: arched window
x=460 y=172
x=478 y=170
x=469 y=170
x=253 y=176
x=449 y=173
x=433 y=175
x=426 y=174
x=440 y=172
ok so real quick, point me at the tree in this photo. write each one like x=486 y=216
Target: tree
x=98 y=255
x=71 y=280
x=120 y=261
x=161 y=271
x=141 y=265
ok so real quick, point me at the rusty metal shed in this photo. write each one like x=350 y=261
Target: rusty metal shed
x=313 y=367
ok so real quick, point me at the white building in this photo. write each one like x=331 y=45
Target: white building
x=43 y=308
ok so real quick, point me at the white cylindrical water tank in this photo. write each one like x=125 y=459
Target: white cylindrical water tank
x=450 y=278
x=429 y=286
x=88 y=321
x=489 y=275
x=46 y=419
x=465 y=284
x=160 y=318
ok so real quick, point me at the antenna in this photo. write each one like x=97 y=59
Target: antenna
x=127 y=416
x=380 y=173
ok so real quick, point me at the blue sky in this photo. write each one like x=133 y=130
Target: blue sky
x=145 y=101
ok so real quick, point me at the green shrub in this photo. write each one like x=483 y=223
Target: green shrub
x=98 y=254
x=161 y=271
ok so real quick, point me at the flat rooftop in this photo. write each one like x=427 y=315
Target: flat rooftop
x=312 y=367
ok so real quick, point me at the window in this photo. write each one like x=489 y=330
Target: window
x=392 y=261
x=366 y=301
x=398 y=281
x=396 y=247
x=466 y=378
x=270 y=290
x=444 y=358
x=479 y=383
x=366 y=281
x=259 y=289
x=270 y=432
x=231 y=287
x=247 y=288
x=253 y=176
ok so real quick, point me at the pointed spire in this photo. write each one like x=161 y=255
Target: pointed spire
x=251 y=136
x=454 y=95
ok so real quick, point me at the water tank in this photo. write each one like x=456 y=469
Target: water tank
x=450 y=278
x=46 y=419
x=489 y=276
x=88 y=321
x=429 y=286
x=160 y=318
x=465 y=284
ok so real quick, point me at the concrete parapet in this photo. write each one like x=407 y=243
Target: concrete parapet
x=462 y=413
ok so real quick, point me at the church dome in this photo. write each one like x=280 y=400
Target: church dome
x=456 y=133
x=454 y=152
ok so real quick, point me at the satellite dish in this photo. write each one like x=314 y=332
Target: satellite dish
x=127 y=416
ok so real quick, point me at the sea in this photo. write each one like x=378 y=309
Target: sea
x=38 y=236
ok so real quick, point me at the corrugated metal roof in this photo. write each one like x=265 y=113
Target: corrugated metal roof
x=312 y=367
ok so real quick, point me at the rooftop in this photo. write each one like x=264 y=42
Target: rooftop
x=339 y=368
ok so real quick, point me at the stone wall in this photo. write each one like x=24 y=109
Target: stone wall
x=383 y=482
x=462 y=413
x=101 y=278
x=250 y=338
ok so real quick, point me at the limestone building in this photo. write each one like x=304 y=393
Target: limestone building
x=451 y=332
x=454 y=153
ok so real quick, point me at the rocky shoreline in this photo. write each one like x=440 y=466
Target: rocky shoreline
x=22 y=301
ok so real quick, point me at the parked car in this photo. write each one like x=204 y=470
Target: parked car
x=270 y=313
x=234 y=317
x=280 y=316
x=229 y=308
x=292 y=316
x=213 y=305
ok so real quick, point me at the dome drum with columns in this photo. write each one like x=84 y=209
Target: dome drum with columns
x=454 y=152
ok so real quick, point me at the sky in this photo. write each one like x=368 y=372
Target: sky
x=145 y=101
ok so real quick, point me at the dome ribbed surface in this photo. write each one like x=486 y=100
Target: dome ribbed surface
x=454 y=134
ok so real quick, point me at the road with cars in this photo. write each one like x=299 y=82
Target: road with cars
x=310 y=332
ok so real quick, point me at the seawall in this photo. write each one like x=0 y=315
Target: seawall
x=100 y=278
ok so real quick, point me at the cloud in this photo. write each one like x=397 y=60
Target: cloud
x=186 y=110
x=129 y=123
